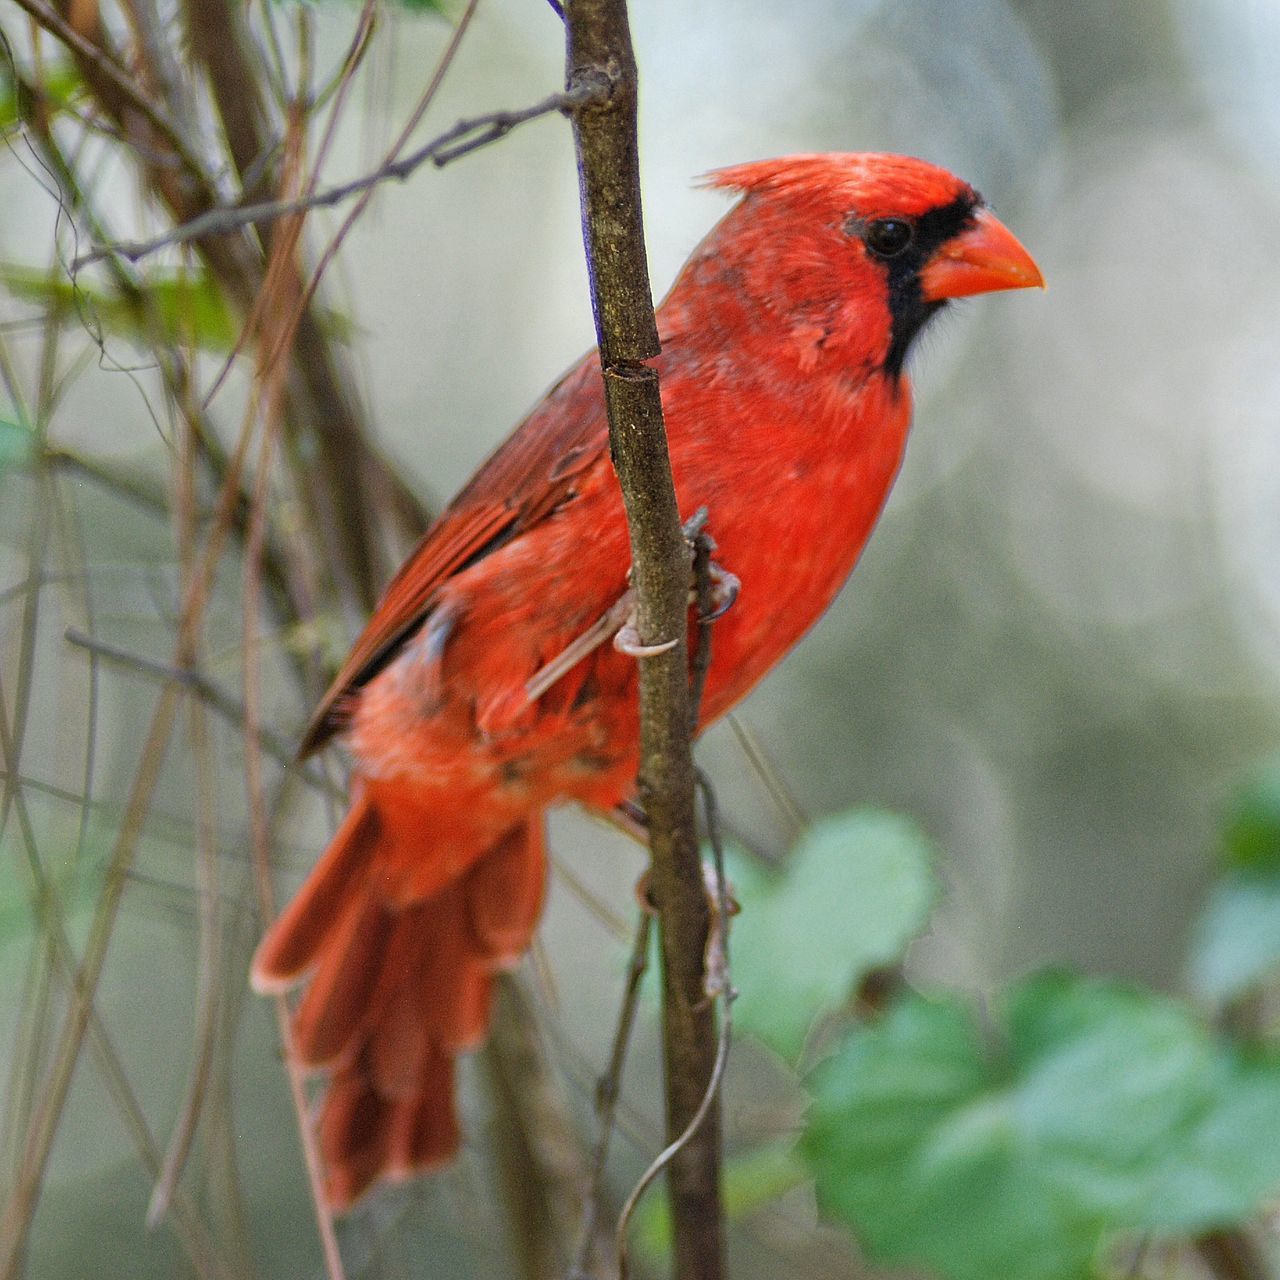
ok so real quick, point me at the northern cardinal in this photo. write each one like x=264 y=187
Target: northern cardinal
x=464 y=704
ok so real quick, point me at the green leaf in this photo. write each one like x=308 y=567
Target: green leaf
x=1236 y=941
x=752 y=1179
x=183 y=307
x=857 y=889
x=56 y=89
x=1090 y=1108
x=17 y=445
x=1251 y=830
x=178 y=307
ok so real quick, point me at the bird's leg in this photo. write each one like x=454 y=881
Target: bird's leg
x=619 y=620
x=724 y=589
x=592 y=638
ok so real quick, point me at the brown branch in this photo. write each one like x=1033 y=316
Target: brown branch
x=1232 y=1254
x=717 y=985
x=599 y=52
x=355 y=480
x=100 y=64
x=220 y=43
x=539 y=1158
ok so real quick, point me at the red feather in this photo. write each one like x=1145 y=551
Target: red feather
x=787 y=416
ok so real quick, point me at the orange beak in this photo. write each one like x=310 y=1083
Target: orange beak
x=981 y=259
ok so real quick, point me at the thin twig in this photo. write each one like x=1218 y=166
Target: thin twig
x=267 y=405
x=782 y=796
x=540 y=1160
x=279 y=747
x=121 y=80
x=719 y=986
x=208 y=985
x=608 y=1092
x=451 y=145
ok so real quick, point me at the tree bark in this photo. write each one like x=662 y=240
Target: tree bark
x=599 y=49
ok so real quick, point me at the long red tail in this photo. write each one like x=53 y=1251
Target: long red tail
x=396 y=992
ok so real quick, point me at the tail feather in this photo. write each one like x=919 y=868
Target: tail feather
x=339 y=1000
x=505 y=891
x=397 y=1062
x=398 y=990
x=357 y=1122
x=306 y=924
x=431 y=1136
x=469 y=1024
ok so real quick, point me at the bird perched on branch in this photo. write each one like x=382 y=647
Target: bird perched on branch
x=480 y=693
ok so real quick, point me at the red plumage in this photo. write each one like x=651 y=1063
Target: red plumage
x=787 y=414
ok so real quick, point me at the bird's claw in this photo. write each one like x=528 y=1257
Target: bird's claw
x=619 y=621
x=627 y=640
x=725 y=587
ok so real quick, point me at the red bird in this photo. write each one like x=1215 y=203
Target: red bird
x=466 y=709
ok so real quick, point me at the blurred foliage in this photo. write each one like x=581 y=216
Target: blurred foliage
x=176 y=307
x=1251 y=831
x=857 y=888
x=17 y=445
x=1013 y=1149
x=1236 y=941
x=1018 y=1139
x=57 y=87
x=182 y=308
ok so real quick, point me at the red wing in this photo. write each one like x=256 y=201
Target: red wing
x=525 y=479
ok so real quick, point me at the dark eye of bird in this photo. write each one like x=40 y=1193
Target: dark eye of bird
x=888 y=237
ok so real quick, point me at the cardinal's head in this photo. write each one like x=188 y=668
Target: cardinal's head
x=838 y=240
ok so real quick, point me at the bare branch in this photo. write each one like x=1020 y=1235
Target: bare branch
x=608 y=1091
x=121 y=81
x=460 y=140
x=599 y=52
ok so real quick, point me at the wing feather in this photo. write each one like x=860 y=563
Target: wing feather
x=531 y=474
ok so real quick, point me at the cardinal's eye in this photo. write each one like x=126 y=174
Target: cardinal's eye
x=888 y=237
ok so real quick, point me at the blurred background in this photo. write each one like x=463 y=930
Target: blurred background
x=1062 y=644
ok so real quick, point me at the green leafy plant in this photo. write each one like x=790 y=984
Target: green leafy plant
x=857 y=888
x=1024 y=1140
x=1013 y=1148
x=1236 y=942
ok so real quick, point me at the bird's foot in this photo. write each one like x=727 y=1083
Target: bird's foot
x=714 y=598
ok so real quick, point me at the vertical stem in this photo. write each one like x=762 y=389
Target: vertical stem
x=599 y=49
